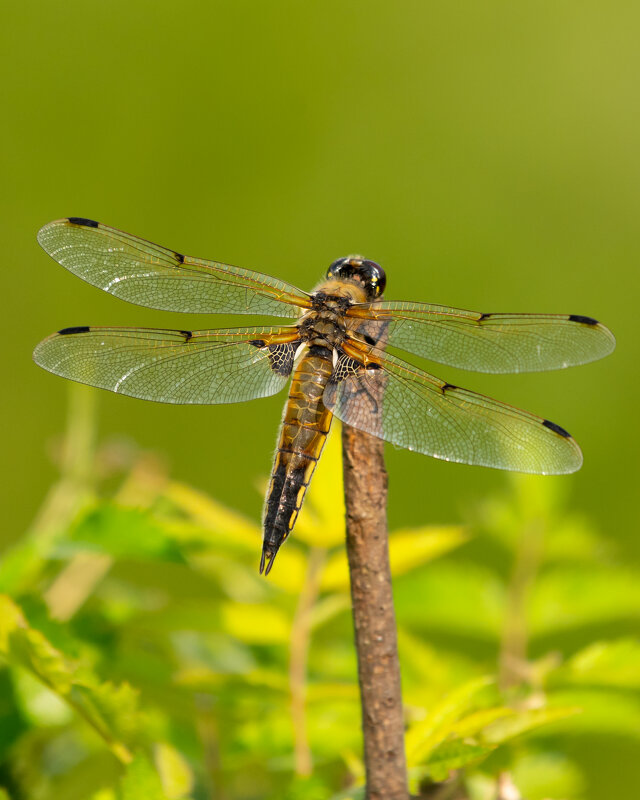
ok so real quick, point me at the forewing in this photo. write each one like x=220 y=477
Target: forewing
x=490 y=342
x=410 y=408
x=150 y=275
x=221 y=366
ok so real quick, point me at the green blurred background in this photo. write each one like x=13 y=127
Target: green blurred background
x=486 y=154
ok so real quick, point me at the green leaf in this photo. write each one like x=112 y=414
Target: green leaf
x=323 y=692
x=329 y=607
x=40 y=704
x=604 y=664
x=312 y=787
x=321 y=522
x=256 y=623
x=503 y=730
x=141 y=782
x=175 y=773
x=451 y=755
x=612 y=712
x=356 y=793
x=458 y=597
x=547 y=774
x=214 y=651
x=413 y=547
x=109 y=709
x=477 y=722
x=122 y=533
x=113 y=707
x=578 y=596
x=408 y=550
x=429 y=672
x=424 y=736
x=222 y=523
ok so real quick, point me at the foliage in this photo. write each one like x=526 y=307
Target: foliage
x=143 y=656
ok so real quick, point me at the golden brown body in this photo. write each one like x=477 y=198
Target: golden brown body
x=304 y=431
x=306 y=421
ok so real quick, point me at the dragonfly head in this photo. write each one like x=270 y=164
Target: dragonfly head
x=360 y=269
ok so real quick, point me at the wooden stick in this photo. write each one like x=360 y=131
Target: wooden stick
x=365 y=488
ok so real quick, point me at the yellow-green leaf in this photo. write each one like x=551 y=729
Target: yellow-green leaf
x=475 y=723
x=604 y=664
x=410 y=548
x=424 y=736
x=141 y=782
x=322 y=519
x=256 y=623
x=451 y=755
x=508 y=728
x=110 y=710
x=174 y=770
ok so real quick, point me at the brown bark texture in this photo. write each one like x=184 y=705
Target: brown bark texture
x=365 y=486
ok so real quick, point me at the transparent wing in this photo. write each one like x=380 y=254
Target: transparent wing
x=222 y=366
x=490 y=342
x=149 y=275
x=413 y=409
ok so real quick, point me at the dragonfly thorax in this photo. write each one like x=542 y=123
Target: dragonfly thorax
x=324 y=325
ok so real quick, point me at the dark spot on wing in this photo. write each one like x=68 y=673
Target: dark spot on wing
x=482 y=317
x=87 y=223
x=556 y=428
x=187 y=335
x=257 y=342
x=447 y=386
x=281 y=357
x=373 y=365
x=180 y=257
x=368 y=339
x=345 y=368
x=583 y=320
x=77 y=329
x=319 y=350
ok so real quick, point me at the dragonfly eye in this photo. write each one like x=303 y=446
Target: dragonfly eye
x=368 y=273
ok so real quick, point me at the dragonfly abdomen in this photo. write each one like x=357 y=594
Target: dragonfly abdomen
x=303 y=433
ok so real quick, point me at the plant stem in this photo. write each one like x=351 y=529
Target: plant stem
x=300 y=639
x=24 y=562
x=513 y=667
x=365 y=488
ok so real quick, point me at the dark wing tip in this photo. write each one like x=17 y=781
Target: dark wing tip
x=583 y=320
x=556 y=428
x=607 y=339
x=75 y=329
x=86 y=223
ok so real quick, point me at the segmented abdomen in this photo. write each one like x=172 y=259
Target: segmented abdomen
x=304 y=430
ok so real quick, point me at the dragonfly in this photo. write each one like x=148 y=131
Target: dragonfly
x=333 y=353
